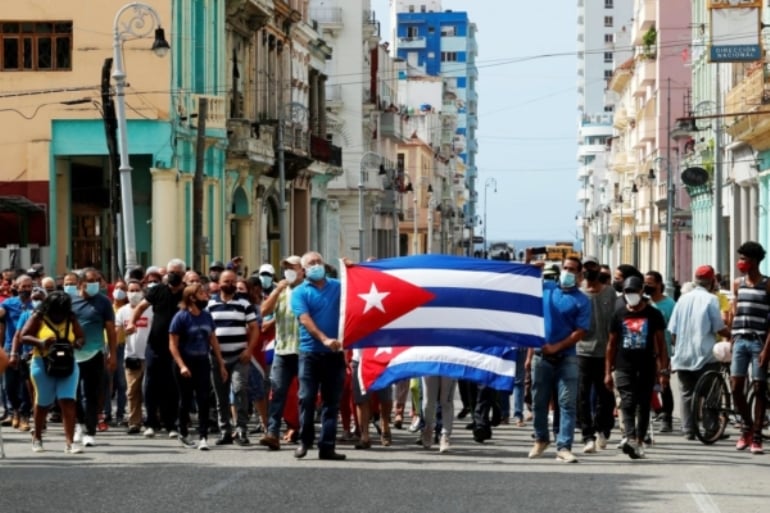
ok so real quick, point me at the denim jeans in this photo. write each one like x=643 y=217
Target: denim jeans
x=746 y=356
x=16 y=388
x=117 y=384
x=237 y=381
x=518 y=386
x=285 y=369
x=160 y=391
x=560 y=374
x=324 y=371
x=90 y=387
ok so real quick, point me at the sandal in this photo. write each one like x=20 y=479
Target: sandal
x=386 y=439
x=363 y=444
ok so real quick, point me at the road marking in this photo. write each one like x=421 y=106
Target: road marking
x=702 y=498
x=221 y=485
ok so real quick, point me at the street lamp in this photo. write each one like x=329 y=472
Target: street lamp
x=670 y=201
x=650 y=179
x=370 y=156
x=410 y=188
x=137 y=28
x=432 y=204
x=487 y=184
x=635 y=246
x=283 y=225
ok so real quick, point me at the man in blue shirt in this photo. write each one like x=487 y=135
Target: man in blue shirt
x=567 y=318
x=18 y=372
x=316 y=304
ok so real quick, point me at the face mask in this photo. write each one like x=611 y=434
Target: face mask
x=214 y=276
x=266 y=281
x=227 y=289
x=633 y=299
x=71 y=290
x=592 y=275
x=36 y=304
x=605 y=278
x=290 y=275
x=618 y=285
x=174 y=279
x=201 y=303
x=649 y=290
x=92 y=289
x=743 y=266
x=315 y=272
x=242 y=295
x=152 y=284
x=24 y=295
x=119 y=294
x=567 y=279
x=135 y=298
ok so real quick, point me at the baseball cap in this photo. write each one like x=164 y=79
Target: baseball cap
x=291 y=260
x=633 y=283
x=39 y=290
x=217 y=265
x=590 y=260
x=32 y=272
x=705 y=272
x=266 y=268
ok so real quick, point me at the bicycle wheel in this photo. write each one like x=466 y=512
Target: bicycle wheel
x=711 y=406
x=766 y=421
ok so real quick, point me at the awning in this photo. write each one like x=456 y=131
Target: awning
x=19 y=204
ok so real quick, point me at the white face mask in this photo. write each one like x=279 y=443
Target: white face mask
x=633 y=299
x=119 y=294
x=135 y=298
x=290 y=275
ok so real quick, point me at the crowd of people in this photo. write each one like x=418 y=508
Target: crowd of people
x=168 y=348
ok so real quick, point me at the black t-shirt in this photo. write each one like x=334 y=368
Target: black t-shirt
x=636 y=336
x=165 y=304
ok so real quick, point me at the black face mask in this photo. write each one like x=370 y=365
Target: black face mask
x=24 y=295
x=227 y=289
x=591 y=275
x=605 y=278
x=618 y=286
x=241 y=295
x=174 y=279
x=214 y=276
x=201 y=303
x=649 y=290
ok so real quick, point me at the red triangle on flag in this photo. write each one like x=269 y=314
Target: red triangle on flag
x=374 y=299
x=373 y=362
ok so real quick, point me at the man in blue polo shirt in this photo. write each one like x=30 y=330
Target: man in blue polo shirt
x=316 y=304
x=17 y=375
x=567 y=318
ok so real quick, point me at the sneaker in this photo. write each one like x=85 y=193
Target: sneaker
x=630 y=450
x=173 y=434
x=102 y=426
x=743 y=442
x=203 y=444
x=622 y=443
x=149 y=432
x=443 y=444
x=88 y=441
x=241 y=439
x=133 y=430
x=601 y=441
x=640 y=450
x=537 y=450
x=24 y=424
x=427 y=438
x=225 y=439
x=565 y=456
x=416 y=424
x=589 y=447
x=756 y=447
x=37 y=445
x=186 y=442
x=15 y=421
x=271 y=442
x=78 y=433
x=73 y=449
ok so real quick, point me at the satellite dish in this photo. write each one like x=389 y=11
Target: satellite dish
x=695 y=176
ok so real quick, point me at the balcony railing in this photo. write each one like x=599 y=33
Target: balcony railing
x=323 y=150
x=746 y=96
x=215 y=117
x=412 y=43
x=390 y=125
x=327 y=17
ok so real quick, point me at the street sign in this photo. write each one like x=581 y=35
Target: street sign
x=478 y=239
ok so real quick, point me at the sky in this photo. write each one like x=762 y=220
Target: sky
x=527 y=115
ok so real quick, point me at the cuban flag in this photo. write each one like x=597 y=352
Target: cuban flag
x=380 y=367
x=441 y=300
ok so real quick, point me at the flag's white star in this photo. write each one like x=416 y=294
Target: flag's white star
x=374 y=299
x=381 y=350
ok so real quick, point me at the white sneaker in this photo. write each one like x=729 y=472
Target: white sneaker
x=37 y=445
x=78 y=433
x=186 y=442
x=601 y=441
x=589 y=447
x=640 y=450
x=73 y=449
x=173 y=434
x=427 y=437
x=566 y=456
x=203 y=445
x=415 y=425
x=622 y=442
x=88 y=441
x=537 y=450
x=149 y=432
x=443 y=444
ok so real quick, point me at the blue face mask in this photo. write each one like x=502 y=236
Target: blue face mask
x=266 y=281
x=36 y=303
x=315 y=272
x=71 y=290
x=567 y=279
x=92 y=288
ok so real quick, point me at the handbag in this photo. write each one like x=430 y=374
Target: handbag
x=133 y=363
x=60 y=359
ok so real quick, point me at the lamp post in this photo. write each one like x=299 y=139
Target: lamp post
x=432 y=204
x=410 y=188
x=635 y=240
x=650 y=183
x=670 y=203
x=137 y=28
x=362 y=169
x=283 y=219
x=487 y=184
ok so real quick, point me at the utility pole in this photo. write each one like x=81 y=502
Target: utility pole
x=200 y=154
x=720 y=243
x=111 y=135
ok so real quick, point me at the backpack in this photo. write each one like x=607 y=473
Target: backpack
x=60 y=359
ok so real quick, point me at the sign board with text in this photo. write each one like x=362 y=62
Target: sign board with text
x=735 y=30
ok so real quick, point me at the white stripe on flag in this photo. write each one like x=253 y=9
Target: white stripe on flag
x=457 y=355
x=498 y=282
x=469 y=319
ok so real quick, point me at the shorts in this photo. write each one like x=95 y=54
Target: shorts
x=49 y=389
x=359 y=396
x=746 y=353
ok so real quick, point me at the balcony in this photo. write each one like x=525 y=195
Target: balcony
x=256 y=13
x=584 y=195
x=324 y=151
x=645 y=73
x=644 y=19
x=328 y=18
x=449 y=109
x=584 y=172
x=390 y=126
x=250 y=140
x=334 y=100
x=748 y=95
x=585 y=150
x=412 y=43
x=215 y=116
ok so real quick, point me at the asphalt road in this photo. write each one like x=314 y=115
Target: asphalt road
x=134 y=474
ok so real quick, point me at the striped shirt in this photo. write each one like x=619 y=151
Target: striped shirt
x=751 y=309
x=286 y=325
x=231 y=320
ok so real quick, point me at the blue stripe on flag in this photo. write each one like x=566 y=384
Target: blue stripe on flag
x=486 y=299
x=398 y=372
x=455 y=263
x=446 y=337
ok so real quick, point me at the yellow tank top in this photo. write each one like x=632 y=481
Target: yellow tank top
x=45 y=333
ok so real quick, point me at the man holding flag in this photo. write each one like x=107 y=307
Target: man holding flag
x=567 y=313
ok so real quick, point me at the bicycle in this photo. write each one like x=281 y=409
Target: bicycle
x=750 y=400
x=712 y=405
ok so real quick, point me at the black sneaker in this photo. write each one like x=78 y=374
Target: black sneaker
x=241 y=439
x=630 y=450
x=225 y=439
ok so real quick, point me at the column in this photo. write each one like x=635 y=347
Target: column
x=166 y=218
x=753 y=212
x=742 y=214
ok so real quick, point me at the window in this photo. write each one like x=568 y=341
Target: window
x=448 y=56
x=431 y=30
x=607 y=56
x=448 y=30
x=608 y=4
x=608 y=38
x=411 y=8
x=35 y=45
x=607 y=74
x=412 y=31
x=609 y=108
x=422 y=8
x=608 y=21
